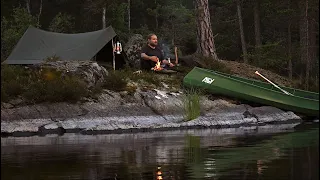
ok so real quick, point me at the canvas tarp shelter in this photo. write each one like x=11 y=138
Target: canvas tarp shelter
x=36 y=45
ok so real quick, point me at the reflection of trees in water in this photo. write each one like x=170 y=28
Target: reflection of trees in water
x=286 y=151
x=194 y=157
x=179 y=157
x=255 y=158
x=39 y=166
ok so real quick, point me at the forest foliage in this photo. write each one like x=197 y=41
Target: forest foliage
x=288 y=30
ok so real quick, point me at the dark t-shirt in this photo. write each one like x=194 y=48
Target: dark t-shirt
x=148 y=64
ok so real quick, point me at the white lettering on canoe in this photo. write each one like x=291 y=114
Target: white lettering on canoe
x=207 y=80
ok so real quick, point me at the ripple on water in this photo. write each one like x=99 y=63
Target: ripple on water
x=181 y=154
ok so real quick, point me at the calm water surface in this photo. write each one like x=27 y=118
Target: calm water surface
x=264 y=153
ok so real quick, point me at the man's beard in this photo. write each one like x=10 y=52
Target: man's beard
x=153 y=45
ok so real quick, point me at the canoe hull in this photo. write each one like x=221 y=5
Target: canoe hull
x=235 y=87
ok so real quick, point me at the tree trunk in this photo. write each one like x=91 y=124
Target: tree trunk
x=313 y=49
x=257 y=23
x=156 y=15
x=28 y=6
x=307 y=49
x=205 y=45
x=303 y=43
x=157 y=23
x=173 y=32
x=243 y=42
x=129 y=16
x=289 y=52
x=289 y=45
x=257 y=29
x=40 y=11
x=104 y=17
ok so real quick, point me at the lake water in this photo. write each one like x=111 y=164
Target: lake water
x=185 y=155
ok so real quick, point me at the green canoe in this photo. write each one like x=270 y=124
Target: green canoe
x=300 y=101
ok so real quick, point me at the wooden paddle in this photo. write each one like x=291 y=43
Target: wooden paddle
x=176 y=54
x=287 y=93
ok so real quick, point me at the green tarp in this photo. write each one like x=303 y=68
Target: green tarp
x=36 y=45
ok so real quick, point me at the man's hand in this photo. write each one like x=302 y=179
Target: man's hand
x=154 y=58
x=167 y=62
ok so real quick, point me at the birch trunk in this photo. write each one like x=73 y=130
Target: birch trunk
x=40 y=11
x=28 y=6
x=104 y=17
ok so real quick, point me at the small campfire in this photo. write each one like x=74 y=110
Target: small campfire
x=157 y=67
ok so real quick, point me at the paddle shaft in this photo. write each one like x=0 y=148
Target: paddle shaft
x=176 y=54
x=272 y=83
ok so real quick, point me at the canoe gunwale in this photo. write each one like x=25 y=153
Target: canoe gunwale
x=255 y=80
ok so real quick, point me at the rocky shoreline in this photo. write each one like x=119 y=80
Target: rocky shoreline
x=120 y=112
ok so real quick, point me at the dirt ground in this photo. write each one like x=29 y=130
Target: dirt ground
x=248 y=71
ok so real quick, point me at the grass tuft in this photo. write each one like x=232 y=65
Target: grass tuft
x=192 y=104
x=115 y=81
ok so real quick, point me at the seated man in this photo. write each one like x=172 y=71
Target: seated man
x=151 y=54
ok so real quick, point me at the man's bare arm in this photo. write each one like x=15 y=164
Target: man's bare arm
x=144 y=56
x=151 y=58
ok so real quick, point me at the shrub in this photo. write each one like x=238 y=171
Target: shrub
x=148 y=77
x=68 y=88
x=40 y=86
x=35 y=92
x=12 y=88
x=115 y=81
x=12 y=72
x=192 y=104
x=13 y=80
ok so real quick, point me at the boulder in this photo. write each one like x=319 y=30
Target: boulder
x=133 y=50
x=45 y=110
x=163 y=103
x=269 y=114
x=91 y=72
x=6 y=105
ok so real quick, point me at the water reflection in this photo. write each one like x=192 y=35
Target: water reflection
x=159 y=173
x=189 y=154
